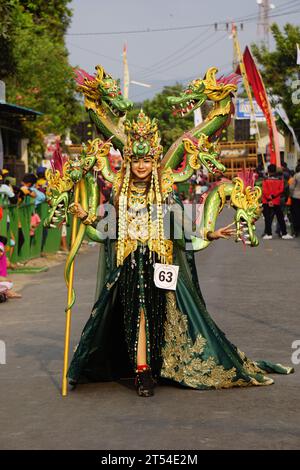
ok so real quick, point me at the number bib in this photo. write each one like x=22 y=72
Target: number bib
x=165 y=276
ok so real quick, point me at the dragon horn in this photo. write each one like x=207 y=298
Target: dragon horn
x=100 y=72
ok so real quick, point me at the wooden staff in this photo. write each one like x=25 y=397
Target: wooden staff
x=69 y=311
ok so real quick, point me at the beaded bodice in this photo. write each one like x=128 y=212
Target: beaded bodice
x=141 y=226
x=137 y=213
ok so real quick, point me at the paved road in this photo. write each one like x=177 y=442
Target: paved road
x=254 y=297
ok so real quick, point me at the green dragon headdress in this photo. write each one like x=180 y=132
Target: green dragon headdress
x=142 y=138
x=142 y=141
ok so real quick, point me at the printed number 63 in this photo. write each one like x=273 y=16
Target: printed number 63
x=163 y=276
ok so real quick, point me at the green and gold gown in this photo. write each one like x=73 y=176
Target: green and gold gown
x=184 y=344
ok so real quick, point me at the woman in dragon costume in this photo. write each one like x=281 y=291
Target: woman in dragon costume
x=136 y=325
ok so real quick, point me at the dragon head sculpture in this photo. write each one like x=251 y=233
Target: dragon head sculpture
x=246 y=201
x=102 y=93
x=62 y=179
x=200 y=90
x=203 y=152
x=57 y=194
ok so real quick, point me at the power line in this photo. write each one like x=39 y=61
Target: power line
x=163 y=69
x=195 y=53
x=202 y=50
x=113 y=59
x=284 y=14
x=170 y=56
x=167 y=63
x=275 y=15
x=148 y=71
x=283 y=6
x=280 y=9
x=247 y=19
x=145 y=69
x=139 y=31
x=171 y=82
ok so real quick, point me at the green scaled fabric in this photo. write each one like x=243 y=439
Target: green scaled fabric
x=184 y=344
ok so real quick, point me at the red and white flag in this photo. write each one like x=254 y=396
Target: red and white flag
x=256 y=82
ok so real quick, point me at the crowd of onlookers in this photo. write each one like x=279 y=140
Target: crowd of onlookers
x=32 y=185
x=280 y=197
x=32 y=189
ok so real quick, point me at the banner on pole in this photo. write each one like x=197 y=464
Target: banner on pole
x=259 y=91
x=298 y=54
x=282 y=114
x=243 y=110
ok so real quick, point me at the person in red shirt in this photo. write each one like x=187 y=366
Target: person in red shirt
x=272 y=191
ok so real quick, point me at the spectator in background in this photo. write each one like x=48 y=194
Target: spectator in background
x=41 y=183
x=35 y=221
x=295 y=200
x=4 y=281
x=29 y=189
x=8 y=179
x=284 y=174
x=285 y=171
x=289 y=201
x=272 y=192
x=5 y=189
x=259 y=170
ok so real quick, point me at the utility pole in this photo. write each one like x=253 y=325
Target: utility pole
x=238 y=61
x=263 y=25
x=126 y=76
x=236 y=50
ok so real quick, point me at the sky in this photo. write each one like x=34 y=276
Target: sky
x=160 y=58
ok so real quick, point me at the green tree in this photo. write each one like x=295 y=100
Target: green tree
x=279 y=68
x=43 y=78
x=37 y=73
x=7 y=63
x=54 y=15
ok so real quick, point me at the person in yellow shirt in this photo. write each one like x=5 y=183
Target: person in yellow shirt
x=41 y=183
